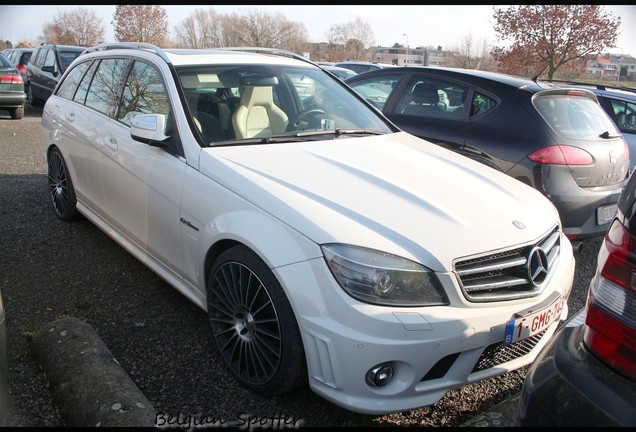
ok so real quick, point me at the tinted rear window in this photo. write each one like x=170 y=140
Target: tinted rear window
x=575 y=117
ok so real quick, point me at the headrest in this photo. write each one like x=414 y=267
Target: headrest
x=257 y=96
x=425 y=93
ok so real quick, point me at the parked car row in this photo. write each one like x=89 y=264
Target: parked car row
x=312 y=231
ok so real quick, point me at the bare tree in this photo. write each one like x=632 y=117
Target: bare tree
x=355 y=35
x=472 y=54
x=141 y=23
x=252 y=28
x=546 y=37
x=79 y=26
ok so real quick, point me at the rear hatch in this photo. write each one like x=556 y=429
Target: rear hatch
x=592 y=146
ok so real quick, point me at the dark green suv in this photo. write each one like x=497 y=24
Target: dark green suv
x=45 y=68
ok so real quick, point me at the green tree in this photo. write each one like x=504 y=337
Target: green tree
x=547 y=37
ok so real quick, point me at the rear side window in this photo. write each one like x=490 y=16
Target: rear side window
x=575 y=117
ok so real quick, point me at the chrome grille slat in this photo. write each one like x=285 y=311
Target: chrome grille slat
x=505 y=275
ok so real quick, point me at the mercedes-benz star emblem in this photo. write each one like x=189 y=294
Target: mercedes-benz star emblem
x=518 y=224
x=537 y=266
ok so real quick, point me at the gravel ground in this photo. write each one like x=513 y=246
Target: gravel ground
x=50 y=269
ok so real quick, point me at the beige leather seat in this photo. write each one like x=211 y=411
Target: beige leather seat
x=257 y=115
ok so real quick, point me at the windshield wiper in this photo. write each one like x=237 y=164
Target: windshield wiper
x=607 y=135
x=339 y=132
x=264 y=140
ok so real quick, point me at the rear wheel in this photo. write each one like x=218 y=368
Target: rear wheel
x=253 y=323
x=61 y=189
x=17 y=113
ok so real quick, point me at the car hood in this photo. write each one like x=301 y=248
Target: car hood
x=395 y=193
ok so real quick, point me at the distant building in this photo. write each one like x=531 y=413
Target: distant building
x=418 y=56
x=612 y=67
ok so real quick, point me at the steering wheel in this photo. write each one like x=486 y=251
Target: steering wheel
x=296 y=120
x=442 y=106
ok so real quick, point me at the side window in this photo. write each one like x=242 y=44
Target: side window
x=144 y=93
x=103 y=92
x=49 y=60
x=481 y=104
x=432 y=97
x=624 y=115
x=376 y=90
x=39 y=58
x=69 y=85
x=82 y=90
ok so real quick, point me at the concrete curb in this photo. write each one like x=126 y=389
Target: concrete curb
x=88 y=385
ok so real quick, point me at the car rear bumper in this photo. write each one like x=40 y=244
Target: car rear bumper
x=568 y=386
x=12 y=100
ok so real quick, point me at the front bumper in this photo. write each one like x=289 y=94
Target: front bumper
x=432 y=349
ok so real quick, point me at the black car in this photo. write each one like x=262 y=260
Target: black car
x=586 y=375
x=20 y=58
x=620 y=104
x=555 y=139
x=12 y=96
x=45 y=68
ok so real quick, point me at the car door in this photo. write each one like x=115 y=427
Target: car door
x=142 y=183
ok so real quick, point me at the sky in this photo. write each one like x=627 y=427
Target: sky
x=407 y=25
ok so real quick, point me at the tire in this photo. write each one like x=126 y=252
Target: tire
x=33 y=100
x=61 y=189
x=17 y=113
x=253 y=324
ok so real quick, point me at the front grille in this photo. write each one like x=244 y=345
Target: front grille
x=498 y=353
x=494 y=355
x=512 y=273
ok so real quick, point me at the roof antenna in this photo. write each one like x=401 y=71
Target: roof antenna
x=536 y=77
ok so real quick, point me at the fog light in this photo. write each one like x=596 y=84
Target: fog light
x=380 y=375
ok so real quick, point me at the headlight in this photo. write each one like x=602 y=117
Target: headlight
x=380 y=278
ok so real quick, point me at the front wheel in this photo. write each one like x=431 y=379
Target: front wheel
x=61 y=189
x=253 y=323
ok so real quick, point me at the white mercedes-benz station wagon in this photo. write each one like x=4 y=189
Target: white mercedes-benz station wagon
x=327 y=247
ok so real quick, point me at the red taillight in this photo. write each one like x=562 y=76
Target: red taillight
x=10 y=79
x=611 y=304
x=562 y=155
x=22 y=69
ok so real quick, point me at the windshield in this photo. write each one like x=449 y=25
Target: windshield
x=248 y=103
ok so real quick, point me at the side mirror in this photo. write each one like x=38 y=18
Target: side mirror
x=149 y=128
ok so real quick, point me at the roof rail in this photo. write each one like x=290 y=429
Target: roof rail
x=595 y=85
x=129 y=45
x=274 y=51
